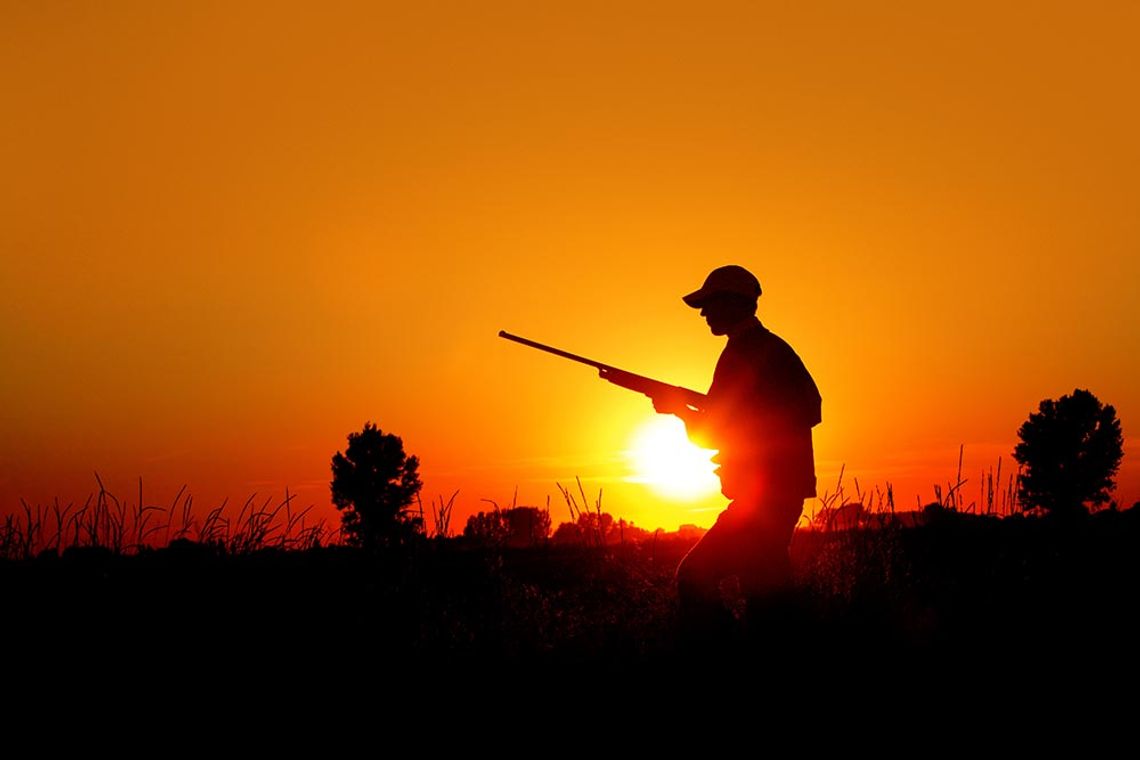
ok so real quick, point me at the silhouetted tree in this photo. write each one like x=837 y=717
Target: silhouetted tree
x=487 y=528
x=1070 y=450
x=568 y=533
x=589 y=528
x=373 y=485
x=518 y=526
x=596 y=527
x=627 y=531
x=527 y=526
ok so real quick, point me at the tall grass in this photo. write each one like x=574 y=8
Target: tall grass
x=104 y=520
x=594 y=522
x=995 y=498
x=837 y=510
x=440 y=514
x=840 y=509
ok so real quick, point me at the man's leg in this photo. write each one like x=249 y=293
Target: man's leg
x=703 y=616
x=766 y=566
x=767 y=577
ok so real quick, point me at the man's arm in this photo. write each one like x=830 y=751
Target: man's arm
x=696 y=419
x=654 y=389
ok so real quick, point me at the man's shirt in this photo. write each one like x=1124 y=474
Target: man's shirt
x=762 y=405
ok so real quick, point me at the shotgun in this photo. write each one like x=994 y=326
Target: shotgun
x=648 y=386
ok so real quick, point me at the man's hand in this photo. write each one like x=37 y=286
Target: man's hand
x=670 y=403
x=667 y=399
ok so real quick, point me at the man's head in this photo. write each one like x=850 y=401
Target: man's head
x=727 y=298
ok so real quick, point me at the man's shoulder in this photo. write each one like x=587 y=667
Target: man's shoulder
x=760 y=341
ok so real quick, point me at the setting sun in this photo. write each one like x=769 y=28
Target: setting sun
x=663 y=457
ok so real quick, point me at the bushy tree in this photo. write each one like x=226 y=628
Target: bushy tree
x=589 y=528
x=1070 y=450
x=515 y=527
x=373 y=485
x=527 y=526
x=487 y=528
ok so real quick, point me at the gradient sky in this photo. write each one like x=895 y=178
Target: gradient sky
x=231 y=233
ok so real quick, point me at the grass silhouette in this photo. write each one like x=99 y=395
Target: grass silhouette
x=108 y=522
x=958 y=585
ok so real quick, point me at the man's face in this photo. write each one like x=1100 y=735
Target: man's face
x=724 y=312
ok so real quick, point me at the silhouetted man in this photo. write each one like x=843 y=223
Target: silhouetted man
x=759 y=413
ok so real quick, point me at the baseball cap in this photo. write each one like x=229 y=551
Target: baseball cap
x=728 y=279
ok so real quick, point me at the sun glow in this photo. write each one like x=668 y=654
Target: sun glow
x=663 y=457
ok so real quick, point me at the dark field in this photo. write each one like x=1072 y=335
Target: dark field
x=960 y=595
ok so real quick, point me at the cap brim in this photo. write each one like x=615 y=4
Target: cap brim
x=697 y=298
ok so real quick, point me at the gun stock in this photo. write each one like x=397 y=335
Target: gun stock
x=629 y=380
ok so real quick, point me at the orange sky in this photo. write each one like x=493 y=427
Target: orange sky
x=231 y=233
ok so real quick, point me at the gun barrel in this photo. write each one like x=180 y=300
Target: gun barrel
x=555 y=351
x=619 y=377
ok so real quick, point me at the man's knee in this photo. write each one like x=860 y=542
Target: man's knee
x=683 y=575
x=770 y=574
x=692 y=579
